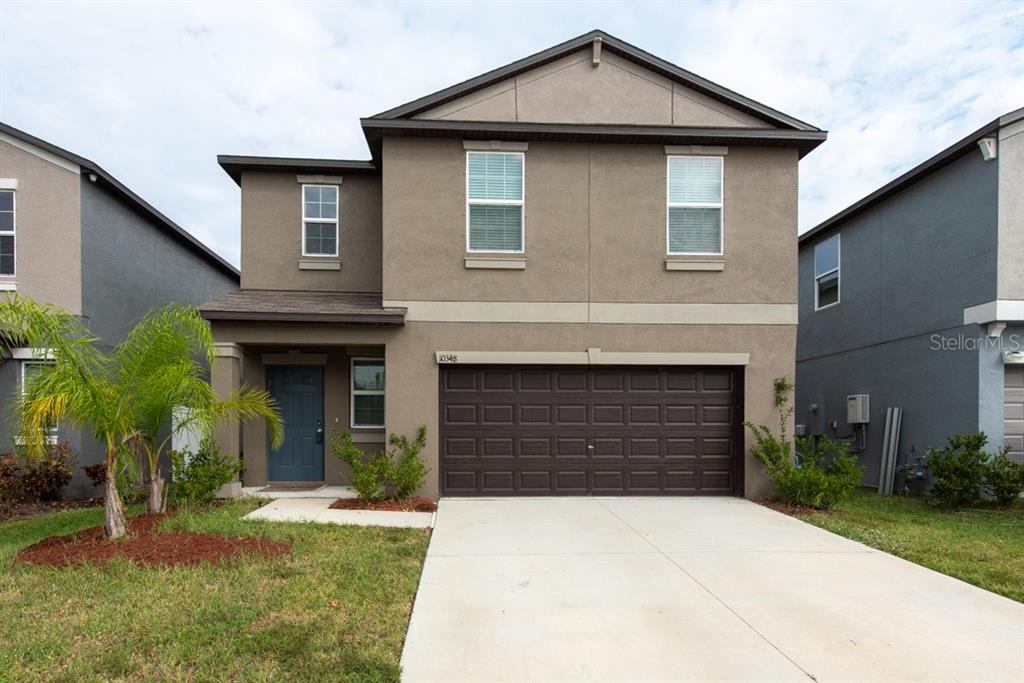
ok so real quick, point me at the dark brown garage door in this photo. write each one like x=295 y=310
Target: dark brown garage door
x=528 y=431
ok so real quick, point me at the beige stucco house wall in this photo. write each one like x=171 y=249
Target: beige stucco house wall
x=594 y=276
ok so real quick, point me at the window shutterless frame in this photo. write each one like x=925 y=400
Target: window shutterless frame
x=819 y=276
x=310 y=219
x=669 y=205
x=521 y=203
x=353 y=392
x=12 y=233
x=51 y=433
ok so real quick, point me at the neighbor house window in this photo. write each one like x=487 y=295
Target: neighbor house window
x=319 y=220
x=30 y=369
x=494 y=198
x=6 y=232
x=826 y=273
x=694 y=205
x=367 y=392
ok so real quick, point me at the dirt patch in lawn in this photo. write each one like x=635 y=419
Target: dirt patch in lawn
x=145 y=546
x=792 y=510
x=388 y=504
x=25 y=510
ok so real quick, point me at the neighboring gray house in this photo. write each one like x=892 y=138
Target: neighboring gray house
x=915 y=296
x=72 y=235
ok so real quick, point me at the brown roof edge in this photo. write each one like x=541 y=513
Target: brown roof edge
x=804 y=140
x=621 y=48
x=132 y=199
x=386 y=318
x=947 y=156
x=234 y=165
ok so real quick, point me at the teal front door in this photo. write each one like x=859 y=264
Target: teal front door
x=299 y=392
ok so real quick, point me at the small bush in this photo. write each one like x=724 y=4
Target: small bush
x=399 y=471
x=96 y=474
x=819 y=481
x=23 y=479
x=196 y=477
x=958 y=470
x=1004 y=478
x=408 y=471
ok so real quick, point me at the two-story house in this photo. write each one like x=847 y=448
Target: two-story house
x=914 y=295
x=74 y=236
x=577 y=270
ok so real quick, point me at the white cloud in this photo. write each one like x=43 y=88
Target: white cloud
x=153 y=92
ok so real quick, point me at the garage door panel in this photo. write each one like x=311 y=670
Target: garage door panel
x=571 y=431
x=1013 y=411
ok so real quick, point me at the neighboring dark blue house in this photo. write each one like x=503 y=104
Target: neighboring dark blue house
x=915 y=296
x=74 y=236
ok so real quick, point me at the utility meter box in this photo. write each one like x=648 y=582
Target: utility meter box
x=858 y=409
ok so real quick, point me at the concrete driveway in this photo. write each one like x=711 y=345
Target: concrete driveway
x=698 y=589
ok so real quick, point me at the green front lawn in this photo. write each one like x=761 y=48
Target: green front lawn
x=337 y=609
x=982 y=546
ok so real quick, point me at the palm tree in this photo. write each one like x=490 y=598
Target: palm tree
x=78 y=387
x=169 y=390
x=125 y=398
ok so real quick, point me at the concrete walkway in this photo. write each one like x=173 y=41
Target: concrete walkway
x=699 y=589
x=306 y=509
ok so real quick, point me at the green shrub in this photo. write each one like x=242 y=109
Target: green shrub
x=407 y=469
x=1004 y=478
x=958 y=470
x=818 y=481
x=196 y=477
x=369 y=470
x=399 y=471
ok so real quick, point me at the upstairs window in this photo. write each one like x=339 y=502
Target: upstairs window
x=694 y=205
x=494 y=198
x=826 y=273
x=319 y=220
x=367 y=392
x=6 y=232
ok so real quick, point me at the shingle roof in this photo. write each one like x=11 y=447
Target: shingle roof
x=273 y=305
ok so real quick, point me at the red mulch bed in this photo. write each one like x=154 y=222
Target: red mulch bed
x=24 y=510
x=388 y=504
x=145 y=546
x=790 y=509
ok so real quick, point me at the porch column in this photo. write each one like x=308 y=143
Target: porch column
x=225 y=377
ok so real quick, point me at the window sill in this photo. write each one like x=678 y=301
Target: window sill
x=495 y=263
x=325 y=263
x=368 y=437
x=8 y=286
x=694 y=265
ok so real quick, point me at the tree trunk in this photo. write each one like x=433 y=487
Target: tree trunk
x=113 y=511
x=157 y=499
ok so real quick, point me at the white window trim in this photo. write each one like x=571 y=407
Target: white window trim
x=720 y=205
x=52 y=435
x=836 y=270
x=336 y=221
x=353 y=392
x=13 y=232
x=521 y=203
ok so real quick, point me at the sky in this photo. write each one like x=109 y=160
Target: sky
x=154 y=92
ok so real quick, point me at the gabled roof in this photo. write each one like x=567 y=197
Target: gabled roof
x=131 y=199
x=942 y=159
x=620 y=48
x=235 y=164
